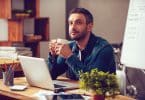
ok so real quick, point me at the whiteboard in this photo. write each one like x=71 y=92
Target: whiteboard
x=133 y=50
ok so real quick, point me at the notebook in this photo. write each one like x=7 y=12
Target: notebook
x=37 y=74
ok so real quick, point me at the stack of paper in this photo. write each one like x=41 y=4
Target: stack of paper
x=13 y=52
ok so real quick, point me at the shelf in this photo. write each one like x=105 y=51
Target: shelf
x=35 y=38
x=25 y=27
x=19 y=8
x=18 y=29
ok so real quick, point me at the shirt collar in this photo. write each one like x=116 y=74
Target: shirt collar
x=89 y=45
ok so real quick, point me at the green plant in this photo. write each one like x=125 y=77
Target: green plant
x=102 y=83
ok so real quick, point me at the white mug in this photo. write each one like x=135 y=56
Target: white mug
x=63 y=41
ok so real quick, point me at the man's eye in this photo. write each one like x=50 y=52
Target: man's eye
x=70 y=23
x=78 y=22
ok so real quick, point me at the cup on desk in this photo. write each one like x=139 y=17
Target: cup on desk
x=8 y=77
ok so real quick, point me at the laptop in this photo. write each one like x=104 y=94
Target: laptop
x=37 y=74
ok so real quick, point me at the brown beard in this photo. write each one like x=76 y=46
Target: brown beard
x=80 y=37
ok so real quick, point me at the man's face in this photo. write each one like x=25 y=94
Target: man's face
x=78 y=28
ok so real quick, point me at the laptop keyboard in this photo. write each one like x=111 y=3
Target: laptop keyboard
x=58 y=86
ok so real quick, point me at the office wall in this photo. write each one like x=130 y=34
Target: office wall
x=55 y=10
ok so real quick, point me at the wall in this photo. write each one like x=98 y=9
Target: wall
x=55 y=10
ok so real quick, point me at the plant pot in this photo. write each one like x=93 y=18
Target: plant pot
x=98 y=97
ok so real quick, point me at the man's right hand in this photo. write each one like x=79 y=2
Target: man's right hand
x=51 y=47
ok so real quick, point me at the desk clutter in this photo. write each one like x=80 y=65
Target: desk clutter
x=35 y=93
x=50 y=95
x=8 y=73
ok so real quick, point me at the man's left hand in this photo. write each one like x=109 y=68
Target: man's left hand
x=63 y=50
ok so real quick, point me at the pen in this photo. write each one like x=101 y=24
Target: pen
x=9 y=75
x=2 y=69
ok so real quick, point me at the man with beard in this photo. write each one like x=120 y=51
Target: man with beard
x=85 y=52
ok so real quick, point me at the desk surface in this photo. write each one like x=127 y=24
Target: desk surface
x=30 y=91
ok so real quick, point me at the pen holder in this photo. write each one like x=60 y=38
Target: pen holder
x=8 y=78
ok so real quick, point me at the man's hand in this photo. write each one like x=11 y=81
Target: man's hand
x=51 y=47
x=63 y=50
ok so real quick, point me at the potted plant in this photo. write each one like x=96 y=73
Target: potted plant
x=99 y=83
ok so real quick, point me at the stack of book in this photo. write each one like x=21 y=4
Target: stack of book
x=13 y=52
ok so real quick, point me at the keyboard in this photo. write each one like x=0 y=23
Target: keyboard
x=58 y=86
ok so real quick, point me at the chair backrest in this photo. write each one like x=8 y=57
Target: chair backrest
x=121 y=76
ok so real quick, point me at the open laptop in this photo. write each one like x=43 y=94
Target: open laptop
x=37 y=74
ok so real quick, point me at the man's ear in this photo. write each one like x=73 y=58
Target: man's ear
x=89 y=27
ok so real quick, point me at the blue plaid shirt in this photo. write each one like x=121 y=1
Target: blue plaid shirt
x=97 y=54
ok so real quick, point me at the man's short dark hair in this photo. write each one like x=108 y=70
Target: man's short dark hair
x=85 y=12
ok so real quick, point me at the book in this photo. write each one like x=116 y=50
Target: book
x=7 y=48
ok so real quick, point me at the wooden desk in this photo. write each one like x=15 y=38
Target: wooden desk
x=30 y=91
x=27 y=94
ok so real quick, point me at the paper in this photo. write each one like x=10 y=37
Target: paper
x=41 y=95
x=48 y=95
x=18 y=87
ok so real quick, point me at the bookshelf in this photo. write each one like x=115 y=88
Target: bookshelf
x=19 y=8
x=25 y=27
